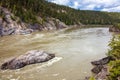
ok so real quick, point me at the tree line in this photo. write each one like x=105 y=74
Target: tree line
x=29 y=10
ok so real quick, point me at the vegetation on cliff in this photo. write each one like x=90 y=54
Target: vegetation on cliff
x=30 y=10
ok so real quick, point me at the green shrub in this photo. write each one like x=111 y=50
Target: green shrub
x=116 y=25
x=114 y=71
x=92 y=78
x=114 y=50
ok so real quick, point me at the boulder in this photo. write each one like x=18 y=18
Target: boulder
x=8 y=31
x=27 y=31
x=7 y=18
x=102 y=61
x=100 y=68
x=97 y=69
x=31 y=57
x=35 y=26
x=102 y=74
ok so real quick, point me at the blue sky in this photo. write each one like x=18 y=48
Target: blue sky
x=100 y=5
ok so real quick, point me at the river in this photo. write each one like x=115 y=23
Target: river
x=74 y=48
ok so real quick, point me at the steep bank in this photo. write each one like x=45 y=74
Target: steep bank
x=11 y=24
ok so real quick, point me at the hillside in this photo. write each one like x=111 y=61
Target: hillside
x=29 y=10
x=23 y=17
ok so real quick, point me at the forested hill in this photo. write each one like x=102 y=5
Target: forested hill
x=29 y=10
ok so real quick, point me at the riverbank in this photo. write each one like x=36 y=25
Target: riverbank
x=98 y=25
x=11 y=24
x=108 y=68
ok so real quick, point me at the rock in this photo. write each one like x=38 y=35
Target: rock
x=0 y=30
x=50 y=26
x=114 y=29
x=87 y=78
x=31 y=57
x=102 y=61
x=60 y=25
x=97 y=69
x=8 y=31
x=11 y=24
x=53 y=24
x=8 y=18
x=27 y=31
x=118 y=78
x=101 y=70
x=1 y=27
x=102 y=74
x=35 y=26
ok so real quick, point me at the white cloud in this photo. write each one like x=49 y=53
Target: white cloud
x=62 y=2
x=75 y=5
x=89 y=7
x=113 y=9
x=103 y=5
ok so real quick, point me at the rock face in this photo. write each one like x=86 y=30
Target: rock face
x=103 y=73
x=100 y=68
x=97 y=69
x=31 y=57
x=11 y=24
x=114 y=29
x=102 y=61
x=53 y=24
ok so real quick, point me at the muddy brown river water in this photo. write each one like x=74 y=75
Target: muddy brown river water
x=74 y=50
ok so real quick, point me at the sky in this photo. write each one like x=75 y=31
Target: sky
x=99 y=5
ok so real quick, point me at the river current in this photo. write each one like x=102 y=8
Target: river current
x=74 y=48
